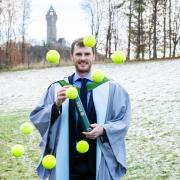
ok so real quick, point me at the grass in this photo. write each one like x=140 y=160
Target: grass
x=152 y=149
x=153 y=145
x=22 y=167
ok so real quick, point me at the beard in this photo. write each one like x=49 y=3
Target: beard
x=83 y=66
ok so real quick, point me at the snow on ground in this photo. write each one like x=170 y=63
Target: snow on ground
x=154 y=82
x=154 y=88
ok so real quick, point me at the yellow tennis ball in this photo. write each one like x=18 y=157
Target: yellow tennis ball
x=53 y=56
x=71 y=93
x=49 y=161
x=17 y=150
x=97 y=76
x=26 y=128
x=82 y=146
x=118 y=57
x=89 y=41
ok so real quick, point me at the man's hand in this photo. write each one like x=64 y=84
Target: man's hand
x=96 y=132
x=61 y=96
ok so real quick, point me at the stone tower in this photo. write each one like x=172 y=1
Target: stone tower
x=51 y=18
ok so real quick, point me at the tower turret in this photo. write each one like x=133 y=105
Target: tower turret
x=51 y=18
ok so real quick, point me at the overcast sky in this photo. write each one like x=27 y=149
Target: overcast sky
x=71 y=22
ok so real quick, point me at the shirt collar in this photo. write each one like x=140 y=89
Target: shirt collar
x=87 y=76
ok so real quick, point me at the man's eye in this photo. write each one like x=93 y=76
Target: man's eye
x=78 y=54
x=87 y=54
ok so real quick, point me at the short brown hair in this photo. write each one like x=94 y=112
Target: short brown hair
x=79 y=42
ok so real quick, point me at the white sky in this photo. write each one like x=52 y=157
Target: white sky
x=71 y=22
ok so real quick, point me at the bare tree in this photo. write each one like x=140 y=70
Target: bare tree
x=150 y=33
x=112 y=25
x=129 y=29
x=155 y=9
x=118 y=12
x=94 y=10
x=176 y=28
x=164 y=26
x=9 y=31
x=109 y=29
x=11 y=15
x=25 y=4
x=170 y=27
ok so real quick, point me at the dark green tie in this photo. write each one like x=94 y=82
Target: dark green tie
x=83 y=93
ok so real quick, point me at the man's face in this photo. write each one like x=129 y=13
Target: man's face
x=83 y=58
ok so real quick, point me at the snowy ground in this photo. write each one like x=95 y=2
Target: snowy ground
x=157 y=83
x=154 y=88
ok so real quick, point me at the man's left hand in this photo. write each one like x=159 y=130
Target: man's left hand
x=96 y=131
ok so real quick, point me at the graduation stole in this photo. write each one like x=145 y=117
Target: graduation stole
x=90 y=86
x=78 y=104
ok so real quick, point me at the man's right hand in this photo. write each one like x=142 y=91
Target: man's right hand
x=61 y=96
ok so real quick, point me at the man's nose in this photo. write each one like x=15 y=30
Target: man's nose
x=83 y=57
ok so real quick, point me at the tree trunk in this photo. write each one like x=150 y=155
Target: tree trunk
x=155 y=31
x=170 y=28
x=164 y=27
x=175 y=45
x=142 y=33
x=174 y=50
x=23 y=50
x=129 y=31
x=139 y=32
x=149 y=43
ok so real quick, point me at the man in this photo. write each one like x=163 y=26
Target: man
x=108 y=109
